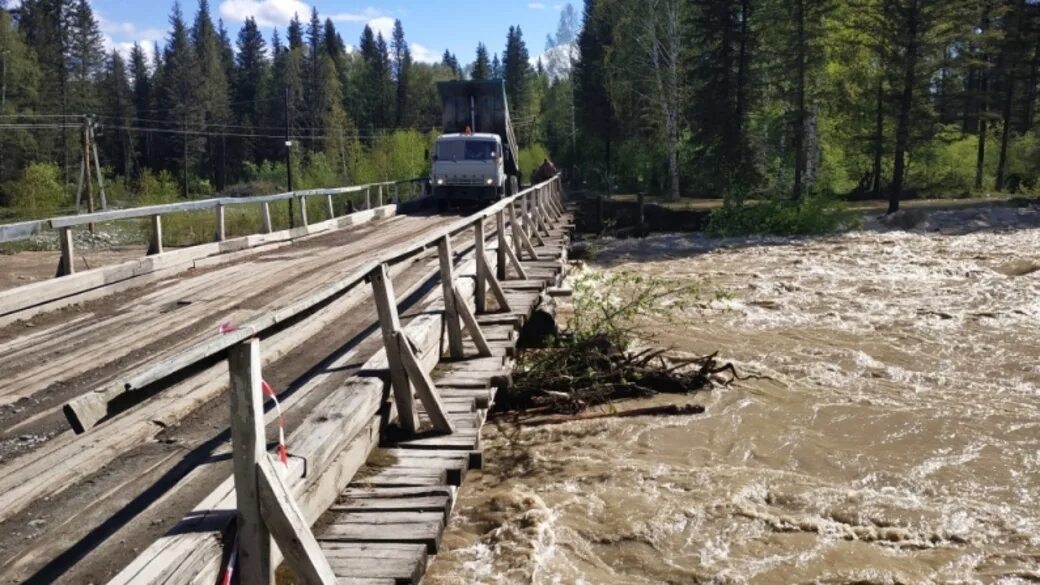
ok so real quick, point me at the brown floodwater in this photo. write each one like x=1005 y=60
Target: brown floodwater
x=897 y=442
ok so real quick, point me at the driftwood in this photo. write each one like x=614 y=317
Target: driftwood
x=667 y=410
x=541 y=327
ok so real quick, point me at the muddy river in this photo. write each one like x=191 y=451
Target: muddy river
x=897 y=442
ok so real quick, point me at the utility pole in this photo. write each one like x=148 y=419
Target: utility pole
x=86 y=168
x=288 y=159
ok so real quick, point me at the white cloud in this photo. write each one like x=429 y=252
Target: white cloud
x=536 y=6
x=557 y=60
x=363 y=16
x=266 y=12
x=121 y=36
x=384 y=25
x=423 y=54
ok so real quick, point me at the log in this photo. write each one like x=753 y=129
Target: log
x=668 y=410
x=541 y=325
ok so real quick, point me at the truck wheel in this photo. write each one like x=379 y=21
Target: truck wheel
x=442 y=199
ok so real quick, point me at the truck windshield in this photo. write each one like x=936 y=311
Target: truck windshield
x=467 y=150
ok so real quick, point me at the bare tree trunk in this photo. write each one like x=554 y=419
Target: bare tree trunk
x=743 y=66
x=1006 y=135
x=1029 y=111
x=983 y=112
x=906 y=101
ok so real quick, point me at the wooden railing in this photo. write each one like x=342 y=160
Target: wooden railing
x=268 y=499
x=376 y=194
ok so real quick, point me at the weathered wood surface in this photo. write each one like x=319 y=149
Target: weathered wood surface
x=16 y=303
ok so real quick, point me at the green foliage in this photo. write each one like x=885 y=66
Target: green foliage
x=811 y=215
x=531 y=158
x=38 y=191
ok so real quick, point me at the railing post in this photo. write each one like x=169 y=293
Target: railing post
x=248 y=444
x=265 y=218
x=500 y=230
x=390 y=325
x=451 y=313
x=481 y=288
x=67 y=263
x=397 y=193
x=514 y=227
x=379 y=196
x=221 y=234
x=303 y=210
x=155 y=246
x=330 y=207
x=368 y=197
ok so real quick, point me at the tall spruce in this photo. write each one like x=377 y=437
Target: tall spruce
x=482 y=66
x=402 y=66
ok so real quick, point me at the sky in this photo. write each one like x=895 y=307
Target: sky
x=430 y=26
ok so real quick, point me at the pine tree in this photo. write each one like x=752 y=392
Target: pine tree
x=252 y=71
x=142 y=95
x=117 y=98
x=18 y=147
x=517 y=71
x=180 y=97
x=212 y=92
x=295 y=33
x=496 y=68
x=402 y=65
x=482 y=66
x=86 y=57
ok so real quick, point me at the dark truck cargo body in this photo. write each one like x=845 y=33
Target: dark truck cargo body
x=476 y=108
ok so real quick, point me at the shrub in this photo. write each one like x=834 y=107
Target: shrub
x=530 y=159
x=38 y=190
x=812 y=215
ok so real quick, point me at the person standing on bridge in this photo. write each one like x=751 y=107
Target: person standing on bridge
x=545 y=172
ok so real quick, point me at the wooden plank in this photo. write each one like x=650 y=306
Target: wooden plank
x=390 y=325
x=472 y=326
x=155 y=245
x=248 y=439
x=67 y=264
x=482 y=266
x=496 y=288
x=12 y=232
x=290 y=529
x=355 y=492
x=403 y=527
x=451 y=312
x=400 y=569
x=413 y=503
x=424 y=387
x=502 y=244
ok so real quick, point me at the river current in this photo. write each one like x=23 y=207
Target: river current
x=897 y=441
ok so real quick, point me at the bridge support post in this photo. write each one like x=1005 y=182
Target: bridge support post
x=390 y=324
x=451 y=314
x=67 y=262
x=500 y=232
x=330 y=207
x=265 y=215
x=266 y=507
x=379 y=196
x=303 y=210
x=368 y=197
x=155 y=244
x=221 y=234
x=481 y=290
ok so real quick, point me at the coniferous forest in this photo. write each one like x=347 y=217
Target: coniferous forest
x=734 y=99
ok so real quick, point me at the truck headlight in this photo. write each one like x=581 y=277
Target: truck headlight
x=490 y=181
x=440 y=180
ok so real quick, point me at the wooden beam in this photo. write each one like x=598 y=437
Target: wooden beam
x=515 y=228
x=481 y=290
x=472 y=326
x=221 y=234
x=500 y=232
x=265 y=218
x=390 y=324
x=155 y=246
x=528 y=246
x=248 y=440
x=329 y=207
x=67 y=264
x=303 y=210
x=291 y=531
x=424 y=387
x=493 y=284
x=451 y=314
x=521 y=274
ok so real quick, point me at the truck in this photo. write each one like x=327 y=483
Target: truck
x=476 y=158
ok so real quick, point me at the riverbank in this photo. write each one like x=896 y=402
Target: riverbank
x=897 y=441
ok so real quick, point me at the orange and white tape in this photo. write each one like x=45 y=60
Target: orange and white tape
x=283 y=453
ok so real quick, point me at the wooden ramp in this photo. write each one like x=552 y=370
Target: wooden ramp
x=386 y=526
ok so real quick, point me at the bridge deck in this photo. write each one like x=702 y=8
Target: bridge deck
x=386 y=525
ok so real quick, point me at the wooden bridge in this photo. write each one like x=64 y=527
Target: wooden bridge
x=381 y=334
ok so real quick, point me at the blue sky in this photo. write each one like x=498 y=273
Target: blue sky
x=430 y=26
